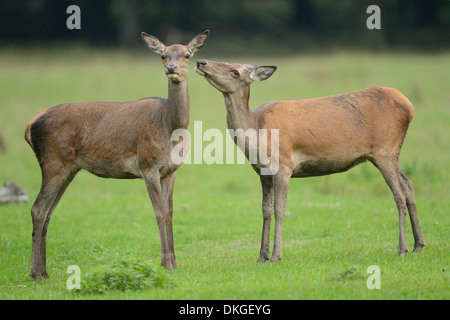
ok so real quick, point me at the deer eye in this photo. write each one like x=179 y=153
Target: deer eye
x=187 y=56
x=235 y=72
x=163 y=57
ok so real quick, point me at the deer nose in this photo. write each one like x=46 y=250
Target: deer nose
x=201 y=63
x=171 y=68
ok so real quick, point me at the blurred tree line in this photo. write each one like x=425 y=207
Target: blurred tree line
x=421 y=24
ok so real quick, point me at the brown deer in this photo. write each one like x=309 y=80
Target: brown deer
x=318 y=137
x=122 y=140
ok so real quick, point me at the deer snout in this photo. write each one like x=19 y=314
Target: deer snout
x=200 y=70
x=170 y=69
x=201 y=63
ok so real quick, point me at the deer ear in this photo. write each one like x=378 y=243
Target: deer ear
x=198 y=41
x=262 y=73
x=153 y=43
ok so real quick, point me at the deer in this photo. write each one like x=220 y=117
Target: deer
x=120 y=140
x=316 y=137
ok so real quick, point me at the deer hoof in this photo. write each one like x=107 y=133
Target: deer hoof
x=171 y=264
x=275 y=259
x=419 y=247
x=37 y=276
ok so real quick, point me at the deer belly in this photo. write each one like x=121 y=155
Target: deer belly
x=117 y=169
x=310 y=167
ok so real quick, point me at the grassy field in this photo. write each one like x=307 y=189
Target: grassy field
x=336 y=225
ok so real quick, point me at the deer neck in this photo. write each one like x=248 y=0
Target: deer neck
x=239 y=115
x=178 y=105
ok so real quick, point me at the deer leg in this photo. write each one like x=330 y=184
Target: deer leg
x=39 y=216
x=153 y=184
x=408 y=189
x=52 y=190
x=280 y=185
x=390 y=171
x=63 y=188
x=167 y=184
x=267 y=210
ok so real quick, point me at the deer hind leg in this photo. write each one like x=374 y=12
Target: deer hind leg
x=391 y=173
x=408 y=189
x=267 y=210
x=52 y=189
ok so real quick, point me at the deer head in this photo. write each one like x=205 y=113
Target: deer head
x=176 y=57
x=232 y=77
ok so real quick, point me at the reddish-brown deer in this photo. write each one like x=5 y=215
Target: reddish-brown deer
x=122 y=140
x=318 y=137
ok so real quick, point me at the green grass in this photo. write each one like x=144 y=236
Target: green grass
x=337 y=225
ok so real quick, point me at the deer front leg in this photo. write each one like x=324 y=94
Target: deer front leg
x=280 y=185
x=267 y=209
x=167 y=184
x=154 y=189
